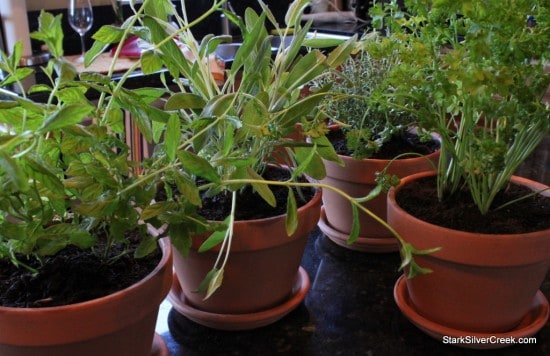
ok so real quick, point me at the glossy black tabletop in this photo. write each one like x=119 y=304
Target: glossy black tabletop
x=349 y=309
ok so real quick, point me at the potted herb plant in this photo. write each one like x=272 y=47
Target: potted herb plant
x=476 y=76
x=81 y=275
x=239 y=267
x=367 y=136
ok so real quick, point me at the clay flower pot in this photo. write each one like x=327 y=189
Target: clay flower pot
x=263 y=280
x=481 y=285
x=122 y=323
x=357 y=178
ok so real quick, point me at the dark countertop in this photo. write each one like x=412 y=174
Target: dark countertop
x=349 y=309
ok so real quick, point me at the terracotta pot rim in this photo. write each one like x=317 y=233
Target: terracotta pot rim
x=113 y=297
x=515 y=179
x=435 y=136
x=513 y=249
x=111 y=313
x=316 y=197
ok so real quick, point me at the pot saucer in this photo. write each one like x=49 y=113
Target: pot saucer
x=529 y=325
x=363 y=244
x=159 y=346
x=240 y=321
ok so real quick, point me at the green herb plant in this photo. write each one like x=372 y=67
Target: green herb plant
x=475 y=75
x=357 y=86
x=64 y=167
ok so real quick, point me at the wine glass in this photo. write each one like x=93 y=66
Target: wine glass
x=81 y=17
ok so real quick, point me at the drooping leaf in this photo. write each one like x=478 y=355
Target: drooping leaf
x=354 y=233
x=261 y=188
x=291 y=221
x=216 y=237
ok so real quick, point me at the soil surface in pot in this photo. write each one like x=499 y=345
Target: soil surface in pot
x=419 y=198
x=73 y=275
x=250 y=205
x=408 y=142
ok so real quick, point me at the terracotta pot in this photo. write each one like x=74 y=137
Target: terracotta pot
x=122 y=323
x=261 y=274
x=482 y=283
x=357 y=178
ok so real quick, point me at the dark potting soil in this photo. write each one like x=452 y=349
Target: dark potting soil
x=73 y=275
x=408 y=142
x=458 y=212
x=250 y=205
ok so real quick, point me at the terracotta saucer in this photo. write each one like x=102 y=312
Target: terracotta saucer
x=159 y=347
x=529 y=325
x=363 y=244
x=240 y=321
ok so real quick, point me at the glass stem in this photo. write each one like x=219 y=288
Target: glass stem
x=83 y=45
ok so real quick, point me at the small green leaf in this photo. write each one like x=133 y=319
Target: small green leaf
x=188 y=189
x=147 y=245
x=180 y=238
x=184 y=101
x=68 y=115
x=219 y=105
x=172 y=137
x=326 y=150
x=108 y=34
x=150 y=62
x=198 y=166
x=211 y=282
x=309 y=162
x=156 y=209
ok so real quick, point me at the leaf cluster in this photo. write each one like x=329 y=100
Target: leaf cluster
x=358 y=88
x=64 y=167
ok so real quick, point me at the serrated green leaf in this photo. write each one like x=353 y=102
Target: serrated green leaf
x=150 y=62
x=66 y=116
x=156 y=209
x=180 y=238
x=188 y=189
x=147 y=245
x=13 y=172
x=108 y=34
